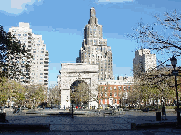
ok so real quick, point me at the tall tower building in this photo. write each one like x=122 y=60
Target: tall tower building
x=94 y=48
x=143 y=61
x=35 y=46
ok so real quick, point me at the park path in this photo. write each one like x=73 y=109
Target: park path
x=79 y=123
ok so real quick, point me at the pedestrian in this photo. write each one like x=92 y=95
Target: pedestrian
x=163 y=111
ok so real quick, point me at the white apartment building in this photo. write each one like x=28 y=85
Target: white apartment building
x=144 y=61
x=94 y=48
x=35 y=46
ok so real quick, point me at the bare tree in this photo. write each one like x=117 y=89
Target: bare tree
x=163 y=35
x=81 y=94
x=54 y=95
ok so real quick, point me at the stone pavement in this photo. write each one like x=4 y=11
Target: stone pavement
x=96 y=123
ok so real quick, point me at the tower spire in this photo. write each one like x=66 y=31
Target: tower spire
x=93 y=19
x=92 y=12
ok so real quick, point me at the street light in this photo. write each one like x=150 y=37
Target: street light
x=174 y=62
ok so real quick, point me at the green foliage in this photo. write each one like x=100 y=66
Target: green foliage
x=19 y=93
x=11 y=90
x=35 y=94
x=10 y=48
x=155 y=84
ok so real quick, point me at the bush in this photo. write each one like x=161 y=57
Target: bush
x=170 y=107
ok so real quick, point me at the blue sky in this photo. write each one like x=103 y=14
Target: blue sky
x=61 y=24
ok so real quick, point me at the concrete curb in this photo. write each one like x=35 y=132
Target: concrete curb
x=24 y=127
x=135 y=126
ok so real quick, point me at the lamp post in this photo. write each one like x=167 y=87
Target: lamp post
x=174 y=62
x=72 y=106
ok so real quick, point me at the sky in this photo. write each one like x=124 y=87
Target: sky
x=61 y=24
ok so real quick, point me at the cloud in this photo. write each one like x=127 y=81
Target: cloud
x=20 y=4
x=17 y=6
x=116 y=1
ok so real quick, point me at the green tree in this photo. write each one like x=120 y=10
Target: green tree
x=12 y=50
x=35 y=94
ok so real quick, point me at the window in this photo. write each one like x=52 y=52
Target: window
x=119 y=87
x=105 y=101
x=110 y=94
x=124 y=88
x=105 y=94
x=114 y=87
x=115 y=94
x=110 y=88
x=115 y=101
x=41 y=73
x=34 y=51
x=42 y=51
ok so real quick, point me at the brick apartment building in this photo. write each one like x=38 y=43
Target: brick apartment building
x=115 y=92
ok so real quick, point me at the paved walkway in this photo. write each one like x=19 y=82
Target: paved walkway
x=96 y=123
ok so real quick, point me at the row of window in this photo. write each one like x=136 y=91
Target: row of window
x=125 y=94
x=35 y=51
x=119 y=87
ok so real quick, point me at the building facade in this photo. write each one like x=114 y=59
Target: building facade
x=35 y=46
x=143 y=61
x=115 y=92
x=94 y=48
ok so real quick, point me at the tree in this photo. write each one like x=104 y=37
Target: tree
x=164 y=35
x=54 y=95
x=4 y=90
x=35 y=94
x=156 y=85
x=12 y=50
x=12 y=90
x=80 y=93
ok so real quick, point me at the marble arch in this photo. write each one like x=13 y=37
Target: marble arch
x=70 y=72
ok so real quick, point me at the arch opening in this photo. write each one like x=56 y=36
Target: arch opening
x=80 y=94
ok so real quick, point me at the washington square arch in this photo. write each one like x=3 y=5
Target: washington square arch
x=72 y=72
